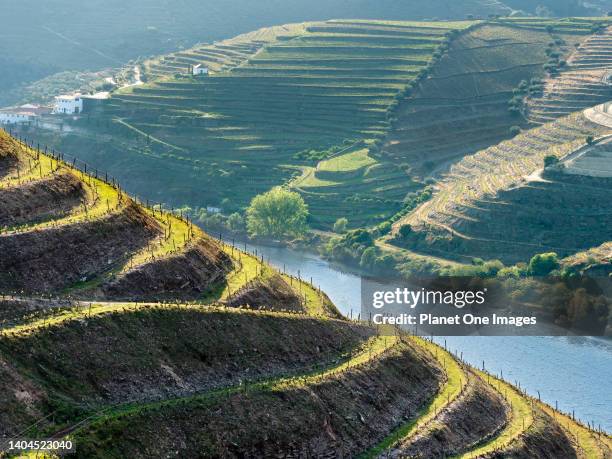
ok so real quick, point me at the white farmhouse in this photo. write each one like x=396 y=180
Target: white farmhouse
x=68 y=104
x=16 y=117
x=199 y=69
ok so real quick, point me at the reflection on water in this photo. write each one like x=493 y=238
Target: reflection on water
x=575 y=372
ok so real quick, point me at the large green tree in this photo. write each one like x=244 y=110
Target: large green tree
x=278 y=213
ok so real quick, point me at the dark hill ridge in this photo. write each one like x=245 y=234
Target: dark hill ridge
x=152 y=353
x=264 y=293
x=477 y=414
x=8 y=156
x=55 y=258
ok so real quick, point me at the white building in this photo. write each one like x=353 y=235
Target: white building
x=16 y=117
x=68 y=104
x=199 y=69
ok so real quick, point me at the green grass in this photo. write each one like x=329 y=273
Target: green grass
x=101 y=198
x=348 y=162
x=456 y=379
x=30 y=167
x=521 y=418
x=592 y=445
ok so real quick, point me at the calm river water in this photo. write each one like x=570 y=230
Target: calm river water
x=575 y=372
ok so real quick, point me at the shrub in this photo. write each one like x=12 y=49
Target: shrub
x=493 y=267
x=511 y=272
x=479 y=268
x=349 y=247
x=550 y=160
x=384 y=228
x=368 y=258
x=340 y=225
x=405 y=231
x=419 y=267
x=590 y=140
x=543 y=264
x=385 y=264
x=235 y=222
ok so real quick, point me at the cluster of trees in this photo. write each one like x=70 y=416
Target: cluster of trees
x=550 y=160
x=233 y=223
x=516 y=105
x=277 y=214
x=411 y=202
x=350 y=247
x=357 y=248
x=542 y=280
x=540 y=265
x=423 y=74
x=315 y=156
x=582 y=308
x=555 y=62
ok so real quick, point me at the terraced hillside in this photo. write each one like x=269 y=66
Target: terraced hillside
x=219 y=56
x=67 y=232
x=268 y=119
x=284 y=102
x=596 y=260
x=498 y=203
x=258 y=364
x=111 y=32
x=584 y=82
x=463 y=106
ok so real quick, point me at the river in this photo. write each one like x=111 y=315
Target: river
x=574 y=372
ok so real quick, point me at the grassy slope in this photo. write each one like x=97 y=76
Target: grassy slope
x=43 y=320
x=137 y=353
x=102 y=434
x=39 y=328
x=494 y=183
x=330 y=84
x=328 y=394
x=312 y=90
x=581 y=84
x=463 y=107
